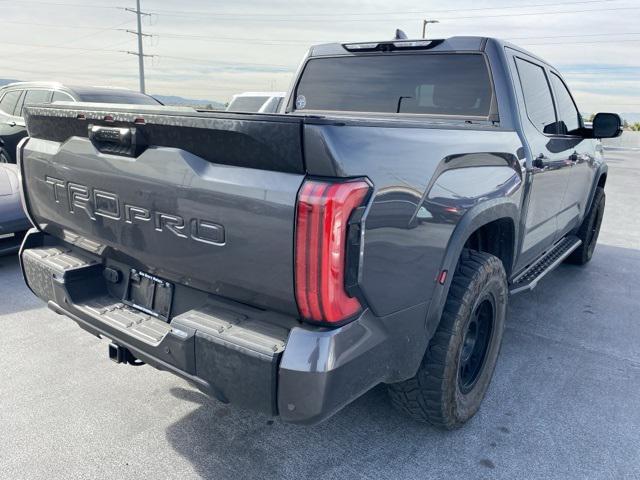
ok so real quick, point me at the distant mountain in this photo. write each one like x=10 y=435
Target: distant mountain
x=189 y=102
x=5 y=81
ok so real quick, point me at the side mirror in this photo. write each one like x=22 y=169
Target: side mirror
x=607 y=125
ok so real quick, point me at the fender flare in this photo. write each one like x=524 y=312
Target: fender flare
x=602 y=170
x=478 y=216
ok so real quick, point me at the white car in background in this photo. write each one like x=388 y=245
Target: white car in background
x=258 y=102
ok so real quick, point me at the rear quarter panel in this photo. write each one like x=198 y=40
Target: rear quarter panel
x=425 y=181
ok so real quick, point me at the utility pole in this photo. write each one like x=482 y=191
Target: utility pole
x=424 y=26
x=140 y=52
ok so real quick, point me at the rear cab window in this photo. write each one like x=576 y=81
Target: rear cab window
x=450 y=84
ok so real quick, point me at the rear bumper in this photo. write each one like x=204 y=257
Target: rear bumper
x=252 y=358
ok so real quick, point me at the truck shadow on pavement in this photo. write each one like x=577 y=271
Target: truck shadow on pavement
x=568 y=354
x=225 y=442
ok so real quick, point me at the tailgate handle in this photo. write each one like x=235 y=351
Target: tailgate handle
x=126 y=141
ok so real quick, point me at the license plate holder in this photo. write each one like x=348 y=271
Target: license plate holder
x=150 y=294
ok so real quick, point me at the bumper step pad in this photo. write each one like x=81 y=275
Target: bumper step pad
x=133 y=322
x=42 y=265
x=236 y=329
x=528 y=279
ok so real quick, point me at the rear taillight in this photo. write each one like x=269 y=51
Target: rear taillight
x=322 y=223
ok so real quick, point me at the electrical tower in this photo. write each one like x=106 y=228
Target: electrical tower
x=140 y=52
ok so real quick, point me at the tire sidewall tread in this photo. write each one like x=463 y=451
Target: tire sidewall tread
x=433 y=394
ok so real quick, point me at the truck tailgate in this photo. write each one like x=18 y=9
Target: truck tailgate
x=202 y=200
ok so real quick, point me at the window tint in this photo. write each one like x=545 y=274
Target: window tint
x=434 y=84
x=568 y=116
x=247 y=104
x=537 y=96
x=61 y=97
x=9 y=101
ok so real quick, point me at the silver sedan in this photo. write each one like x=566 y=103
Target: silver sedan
x=13 y=221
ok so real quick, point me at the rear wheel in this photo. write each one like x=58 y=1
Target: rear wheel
x=459 y=363
x=589 y=230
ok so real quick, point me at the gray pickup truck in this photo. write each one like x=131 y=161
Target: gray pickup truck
x=372 y=232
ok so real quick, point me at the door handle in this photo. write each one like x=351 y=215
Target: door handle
x=12 y=123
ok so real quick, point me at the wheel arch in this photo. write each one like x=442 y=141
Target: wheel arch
x=600 y=180
x=488 y=217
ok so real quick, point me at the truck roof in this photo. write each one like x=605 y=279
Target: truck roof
x=451 y=44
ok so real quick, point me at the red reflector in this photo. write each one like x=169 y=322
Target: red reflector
x=321 y=230
x=442 y=278
x=108 y=118
x=139 y=121
x=81 y=116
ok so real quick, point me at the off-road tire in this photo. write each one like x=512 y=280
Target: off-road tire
x=589 y=230
x=434 y=394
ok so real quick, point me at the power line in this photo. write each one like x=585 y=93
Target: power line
x=208 y=61
x=64 y=44
x=62 y=4
x=74 y=27
x=261 y=41
x=574 y=36
x=56 y=46
x=266 y=41
x=246 y=18
x=411 y=12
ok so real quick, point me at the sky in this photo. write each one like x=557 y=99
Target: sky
x=210 y=49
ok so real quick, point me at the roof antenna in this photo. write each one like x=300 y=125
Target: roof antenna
x=400 y=35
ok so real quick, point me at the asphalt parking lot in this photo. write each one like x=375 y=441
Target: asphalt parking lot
x=564 y=402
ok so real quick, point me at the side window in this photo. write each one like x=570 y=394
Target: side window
x=537 y=96
x=61 y=97
x=9 y=101
x=568 y=115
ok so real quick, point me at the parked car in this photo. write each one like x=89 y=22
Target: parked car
x=289 y=263
x=14 y=97
x=13 y=221
x=256 y=102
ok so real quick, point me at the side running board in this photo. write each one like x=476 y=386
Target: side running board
x=528 y=279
